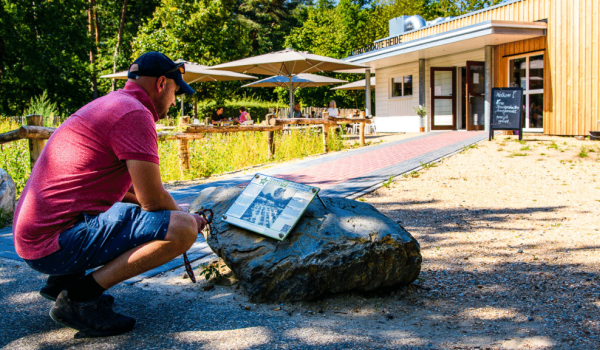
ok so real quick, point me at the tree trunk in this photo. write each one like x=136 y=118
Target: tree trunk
x=195 y=106
x=92 y=31
x=119 y=40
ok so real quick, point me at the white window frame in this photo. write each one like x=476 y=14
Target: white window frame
x=526 y=91
x=403 y=96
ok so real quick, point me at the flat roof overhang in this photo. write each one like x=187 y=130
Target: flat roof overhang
x=469 y=38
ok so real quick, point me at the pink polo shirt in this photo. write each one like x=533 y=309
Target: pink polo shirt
x=82 y=168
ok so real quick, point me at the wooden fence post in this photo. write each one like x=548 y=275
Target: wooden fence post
x=362 y=134
x=325 y=132
x=270 y=144
x=270 y=137
x=184 y=157
x=35 y=145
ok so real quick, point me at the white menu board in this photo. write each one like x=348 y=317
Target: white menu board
x=270 y=206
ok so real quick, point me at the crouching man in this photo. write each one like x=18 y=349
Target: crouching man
x=95 y=199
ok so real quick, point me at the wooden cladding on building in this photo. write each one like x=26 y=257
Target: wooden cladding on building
x=571 y=57
x=502 y=55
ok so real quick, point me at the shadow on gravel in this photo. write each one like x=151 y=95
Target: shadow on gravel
x=435 y=221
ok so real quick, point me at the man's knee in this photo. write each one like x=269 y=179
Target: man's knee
x=182 y=229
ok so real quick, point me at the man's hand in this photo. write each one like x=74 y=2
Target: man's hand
x=200 y=221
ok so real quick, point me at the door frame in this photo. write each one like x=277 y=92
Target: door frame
x=469 y=126
x=433 y=97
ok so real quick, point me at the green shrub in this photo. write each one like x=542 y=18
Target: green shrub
x=42 y=105
x=257 y=109
x=14 y=158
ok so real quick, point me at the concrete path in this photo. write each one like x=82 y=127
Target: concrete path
x=342 y=174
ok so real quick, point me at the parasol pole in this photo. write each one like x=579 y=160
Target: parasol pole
x=291 y=98
x=181 y=97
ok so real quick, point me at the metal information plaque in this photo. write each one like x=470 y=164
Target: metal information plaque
x=270 y=206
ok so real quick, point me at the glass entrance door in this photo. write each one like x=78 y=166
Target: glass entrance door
x=443 y=98
x=475 y=96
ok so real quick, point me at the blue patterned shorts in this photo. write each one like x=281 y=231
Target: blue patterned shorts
x=98 y=239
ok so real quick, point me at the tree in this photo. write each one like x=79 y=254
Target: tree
x=204 y=31
x=93 y=30
x=119 y=40
x=36 y=54
x=269 y=22
x=119 y=21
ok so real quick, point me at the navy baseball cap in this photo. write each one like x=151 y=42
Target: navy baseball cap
x=156 y=64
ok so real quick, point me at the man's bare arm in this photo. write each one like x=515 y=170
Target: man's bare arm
x=147 y=184
x=149 y=191
x=130 y=197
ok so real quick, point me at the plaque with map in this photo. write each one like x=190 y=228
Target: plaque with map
x=270 y=206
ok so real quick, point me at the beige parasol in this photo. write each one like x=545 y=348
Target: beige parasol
x=287 y=63
x=195 y=73
x=357 y=85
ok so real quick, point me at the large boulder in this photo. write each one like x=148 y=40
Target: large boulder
x=8 y=193
x=347 y=246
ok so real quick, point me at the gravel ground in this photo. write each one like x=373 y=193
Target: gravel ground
x=509 y=234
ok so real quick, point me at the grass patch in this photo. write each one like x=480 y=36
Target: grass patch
x=466 y=148
x=428 y=165
x=525 y=148
x=515 y=154
x=583 y=153
x=14 y=156
x=388 y=183
x=221 y=153
x=412 y=174
x=5 y=218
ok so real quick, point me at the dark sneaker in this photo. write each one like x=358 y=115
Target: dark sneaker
x=56 y=284
x=93 y=318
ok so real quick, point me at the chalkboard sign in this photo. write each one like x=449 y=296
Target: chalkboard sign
x=507 y=110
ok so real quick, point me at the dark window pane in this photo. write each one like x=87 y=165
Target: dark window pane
x=536 y=72
x=518 y=76
x=396 y=87
x=536 y=110
x=408 y=85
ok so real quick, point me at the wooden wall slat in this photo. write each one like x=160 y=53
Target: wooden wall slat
x=594 y=62
x=565 y=68
x=573 y=71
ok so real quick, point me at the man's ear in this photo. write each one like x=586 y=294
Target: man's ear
x=161 y=84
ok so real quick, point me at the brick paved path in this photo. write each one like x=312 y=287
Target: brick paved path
x=345 y=174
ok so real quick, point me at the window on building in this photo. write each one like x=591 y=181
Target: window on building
x=402 y=86
x=528 y=73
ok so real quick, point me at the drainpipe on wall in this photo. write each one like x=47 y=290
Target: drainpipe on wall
x=489 y=83
x=422 y=92
x=367 y=92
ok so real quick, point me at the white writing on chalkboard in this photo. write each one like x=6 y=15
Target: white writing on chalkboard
x=502 y=110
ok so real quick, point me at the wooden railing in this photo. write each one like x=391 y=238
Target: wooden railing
x=37 y=134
